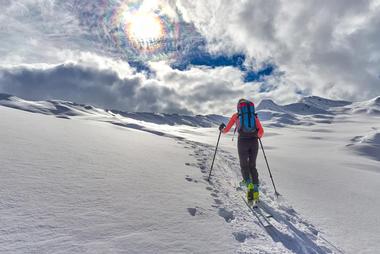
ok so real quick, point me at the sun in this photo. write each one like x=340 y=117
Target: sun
x=144 y=29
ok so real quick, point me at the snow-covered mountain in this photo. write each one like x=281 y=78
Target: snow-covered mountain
x=323 y=103
x=299 y=108
x=313 y=110
x=308 y=111
x=66 y=109
x=71 y=182
x=314 y=105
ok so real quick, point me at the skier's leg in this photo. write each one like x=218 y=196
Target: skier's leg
x=243 y=150
x=244 y=160
x=253 y=151
x=254 y=148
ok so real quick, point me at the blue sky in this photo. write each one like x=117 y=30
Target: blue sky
x=204 y=58
x=189 y=57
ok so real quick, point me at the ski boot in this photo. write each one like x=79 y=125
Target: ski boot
x=250 y=194
x=256 y=193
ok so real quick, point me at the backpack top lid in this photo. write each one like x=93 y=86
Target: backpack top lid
x=244 y=102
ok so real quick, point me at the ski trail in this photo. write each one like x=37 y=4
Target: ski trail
x=284 y=232
x=306 y=238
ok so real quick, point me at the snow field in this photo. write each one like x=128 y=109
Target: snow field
x=76 y=180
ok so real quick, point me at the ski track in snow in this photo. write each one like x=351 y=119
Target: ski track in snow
x=289 y=232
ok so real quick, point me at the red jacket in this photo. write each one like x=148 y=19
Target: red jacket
x=234 y=119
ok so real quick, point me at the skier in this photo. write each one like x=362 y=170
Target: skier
x=249 y=130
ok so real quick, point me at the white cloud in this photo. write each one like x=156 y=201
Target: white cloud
x=35 y=31
x=217 y=90
x=330 y=48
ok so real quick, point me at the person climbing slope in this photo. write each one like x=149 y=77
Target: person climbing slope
x=249 y=131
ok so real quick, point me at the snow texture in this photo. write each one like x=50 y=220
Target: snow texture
x=78 y=179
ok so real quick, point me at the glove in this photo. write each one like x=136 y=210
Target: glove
x=222 y=126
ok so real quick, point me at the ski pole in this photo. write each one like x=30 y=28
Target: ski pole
x=216 y=148
x=270 y=173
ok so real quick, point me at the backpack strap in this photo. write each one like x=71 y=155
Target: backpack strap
x=249 y=115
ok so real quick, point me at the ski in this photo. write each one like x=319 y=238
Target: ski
x=263 y=211
x=261 y=218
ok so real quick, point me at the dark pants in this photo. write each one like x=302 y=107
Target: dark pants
x=248 y=149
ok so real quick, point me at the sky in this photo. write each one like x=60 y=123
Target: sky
x=189 y=57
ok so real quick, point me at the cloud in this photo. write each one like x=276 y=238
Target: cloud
x=111 y=84
x=102 y=88
x=217 y=90
x=35 y=31
x=329 y=48
x=61 y=50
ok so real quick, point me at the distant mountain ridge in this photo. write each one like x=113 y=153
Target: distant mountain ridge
x=313 y=109
x=307 y=106
x=324 y=103
x=308 y=111
x=66 y=109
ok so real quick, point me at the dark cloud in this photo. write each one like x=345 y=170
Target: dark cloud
x=102 y=88
x=212 y=92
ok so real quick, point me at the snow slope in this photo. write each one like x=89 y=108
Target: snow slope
x=75 y=186
x=98 y=181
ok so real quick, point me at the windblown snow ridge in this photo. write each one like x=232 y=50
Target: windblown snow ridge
x=368 y=145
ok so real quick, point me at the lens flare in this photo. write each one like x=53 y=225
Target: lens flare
x=141 y=29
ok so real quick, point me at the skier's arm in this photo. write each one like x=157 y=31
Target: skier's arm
x=231 y=123
x=260 y=128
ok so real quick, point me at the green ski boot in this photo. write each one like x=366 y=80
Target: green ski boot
x=256 y=197
x=250 y=193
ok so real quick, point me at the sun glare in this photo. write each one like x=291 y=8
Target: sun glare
x=144 y=28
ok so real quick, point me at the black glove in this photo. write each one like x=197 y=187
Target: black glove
x=222 y=126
